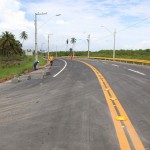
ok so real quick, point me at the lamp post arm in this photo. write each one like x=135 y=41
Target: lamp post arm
x=107 y=29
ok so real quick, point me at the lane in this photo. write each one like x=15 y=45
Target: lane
x=68 y=112
x=133 y=92
x=140 y=68
x=61 y=69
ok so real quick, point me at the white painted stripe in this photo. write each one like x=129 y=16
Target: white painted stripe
x=61 y=69
x=136 y=72
x=115 y=65
x=104 y=62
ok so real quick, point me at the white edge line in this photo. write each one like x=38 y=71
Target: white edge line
x=136 y=72
x=115 y=65
x=61 y=69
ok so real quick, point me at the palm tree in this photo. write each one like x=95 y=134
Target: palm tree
x=7 y=43
x=73 y=41
x=23 y=36
x=18 y=47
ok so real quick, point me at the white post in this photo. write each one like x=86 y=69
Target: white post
x=114 y=44
x=56 y=51
x=36 y=53
x=36 y=46
x=88 y=45
x=48 y=44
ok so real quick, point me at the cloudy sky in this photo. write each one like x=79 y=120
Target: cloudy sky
x=79 y=18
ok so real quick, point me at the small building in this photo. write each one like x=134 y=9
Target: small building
x=29 y=52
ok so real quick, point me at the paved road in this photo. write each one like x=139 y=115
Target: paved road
x=67 y=110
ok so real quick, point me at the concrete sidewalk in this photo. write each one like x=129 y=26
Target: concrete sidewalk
x=38 y=74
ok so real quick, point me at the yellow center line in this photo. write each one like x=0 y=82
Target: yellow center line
x=122 y=137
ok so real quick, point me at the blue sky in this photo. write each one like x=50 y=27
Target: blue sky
x=79 y=19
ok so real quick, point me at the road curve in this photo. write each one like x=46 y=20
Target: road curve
x=69 y=111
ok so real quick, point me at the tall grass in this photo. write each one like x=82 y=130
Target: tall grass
x=131 y=54
x=12 y=66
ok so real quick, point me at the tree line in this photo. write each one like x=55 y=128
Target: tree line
x=9 y=45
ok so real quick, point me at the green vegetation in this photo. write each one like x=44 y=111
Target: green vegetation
x=12 y=58
x=17 y=65
x=23 y=36
x=9 y=46
x=73 y=41
x=130 y=54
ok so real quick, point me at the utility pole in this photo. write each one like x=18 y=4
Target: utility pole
x=56 y=51
x=88 y=40
x=114 y=36
x=67 y=45
x=114 y=44
x=48 y=44
x=36 y=46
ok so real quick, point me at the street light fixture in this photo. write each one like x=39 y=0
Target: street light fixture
x=36 y=49
x=114 y=34
x=58 y=14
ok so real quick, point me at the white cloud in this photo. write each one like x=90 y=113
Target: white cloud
x=78 y=19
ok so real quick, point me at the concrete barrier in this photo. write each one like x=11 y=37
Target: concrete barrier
x=15 y=79
x=46 y=70
x=25 y=77
x=37 y=74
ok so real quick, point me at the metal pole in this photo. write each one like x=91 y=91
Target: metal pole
x=36 y=47
x=73 y=49
x=56 y=51
x=114 y=34
x=114 y=44
x=36 y=54
x=88 y=45
x=48 y=44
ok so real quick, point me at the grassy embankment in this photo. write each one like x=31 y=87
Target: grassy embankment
x=129 y=54
x=17 y=65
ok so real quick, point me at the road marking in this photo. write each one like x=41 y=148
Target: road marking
x=104 y=62
x=129 y=139
x=61 y=69
x=115 y=65
x=137 y=72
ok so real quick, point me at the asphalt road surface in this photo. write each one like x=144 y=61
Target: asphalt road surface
x=69 y=109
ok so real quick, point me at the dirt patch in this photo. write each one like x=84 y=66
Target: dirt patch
x=5 y=79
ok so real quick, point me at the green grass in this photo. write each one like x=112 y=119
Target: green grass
x=11 y=67
x=129 y=54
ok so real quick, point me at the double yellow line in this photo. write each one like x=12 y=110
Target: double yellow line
x=126 y=133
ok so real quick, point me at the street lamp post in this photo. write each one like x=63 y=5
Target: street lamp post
x=56 y=50
x=48 y=37
x=114 y=44
x=88 y=40
x=114 y=36
x=48 y=44
x=36 y=48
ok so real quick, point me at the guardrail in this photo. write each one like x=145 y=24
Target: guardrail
x=124 y=60
x=138 y=61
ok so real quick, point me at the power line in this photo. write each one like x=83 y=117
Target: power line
x=126 y=27
x=134 y=24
